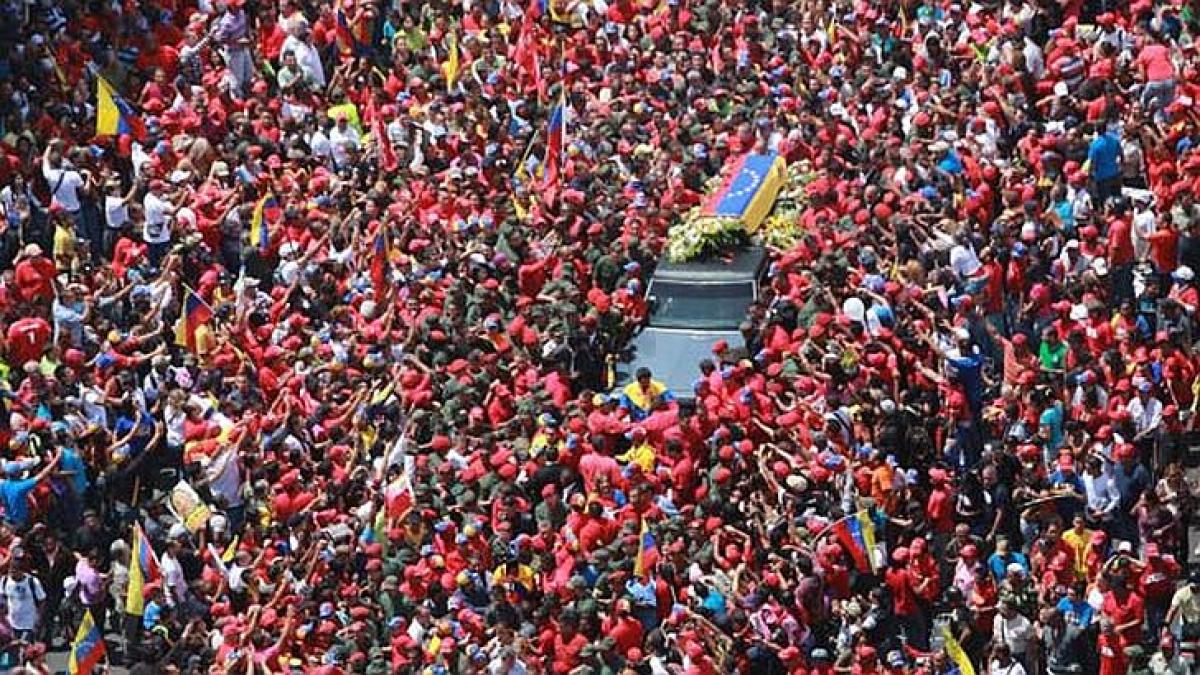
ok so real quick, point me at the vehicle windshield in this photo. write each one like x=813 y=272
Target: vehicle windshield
x=700 y=306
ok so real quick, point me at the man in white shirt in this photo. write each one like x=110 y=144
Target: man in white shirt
x=175 y=583
x=307 y=58
x=506 y=663
x=1102 y=494
x=116 y=212
x=343 y=138
x=964 y=262
x=319 y=141
x=64 y=180
x=156 y=231
x=23 y=596
x=1144 y=225
x=1014 y=630
x=1146 y=412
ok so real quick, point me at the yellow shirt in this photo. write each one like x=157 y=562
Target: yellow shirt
x=64 y=247
x=1079 y=543
x=643 y=455
x=525 y=576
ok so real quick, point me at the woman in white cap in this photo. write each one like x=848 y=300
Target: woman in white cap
x=1184 y=290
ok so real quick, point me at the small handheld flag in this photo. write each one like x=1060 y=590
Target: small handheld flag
x=956 y=653
x=143 y=569
x=398 y=497
x=115 y=117
x=451 y=67
x=260 y=232
x=856 y=533
x=88 y=649
x=646 y=547
x=348 y=42
x=195 y=313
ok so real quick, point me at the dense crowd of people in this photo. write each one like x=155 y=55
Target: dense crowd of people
x=309 y=311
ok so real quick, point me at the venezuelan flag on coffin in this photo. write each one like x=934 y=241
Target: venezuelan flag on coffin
x=751 y=185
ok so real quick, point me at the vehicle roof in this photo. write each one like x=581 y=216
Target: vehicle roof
x=744 y=265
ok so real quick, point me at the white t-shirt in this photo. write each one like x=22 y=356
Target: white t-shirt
x=963 y=261
x=22 y=598
x=1013 y=668
x=172 y=573
x=319 y=142
x=338 y=138
x=155 y=230
x=116 y=212
x=1144 y=225
x=307 y=58
x=227 y=482
x=65 y=183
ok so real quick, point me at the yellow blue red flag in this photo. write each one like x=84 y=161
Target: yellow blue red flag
x=751 y=185
x=260 y=233
x=115 y=117
x=88 y=649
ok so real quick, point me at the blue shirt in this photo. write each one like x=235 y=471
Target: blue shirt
x=15 y=494
x=643 y=594
x=71 y=461
x=969 y=370
x=143 y=435
x=1053 y=417
x=951 y=164
x=1079 y=613
x=715 y=603
x=999 y=565
x=150 y=616
x=1104 y=153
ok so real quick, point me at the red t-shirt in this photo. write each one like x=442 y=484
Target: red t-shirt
x=1164 y=247
x=1124 y=610
x=1120 y=246
x=1155 y=60
x=1112 y=654
x=27 y=338
x=904 y=600
x=566 y=652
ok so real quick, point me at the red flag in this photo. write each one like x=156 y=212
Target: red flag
x=379 y=262
x=555 y=132
x=525 y=55
x=387 y=154
x=399 y=497
x=718 y=63
x=347 y=42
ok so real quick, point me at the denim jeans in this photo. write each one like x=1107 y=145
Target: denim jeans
x=1157 y=95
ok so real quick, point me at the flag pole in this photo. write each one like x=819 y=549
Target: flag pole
x=200 y=298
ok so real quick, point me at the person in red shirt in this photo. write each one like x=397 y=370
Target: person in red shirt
x=1111 y=648
x=1184 y=290
x=596 y=529
x=1156 y=582
x=866 y=662
x=623 y=627
x=1164 y=246
x=34 y=275
x=26 y=339
x=1120 y=257
x=925 y=567
x=563 y=646
x=1158 y=70
x=903 y=584
x=154 y=55
x=291 y=499
x=1125 y=609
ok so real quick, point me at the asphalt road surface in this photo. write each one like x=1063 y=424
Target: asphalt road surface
x=57 y=660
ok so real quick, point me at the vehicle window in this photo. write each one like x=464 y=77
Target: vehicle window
x=700 y=306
